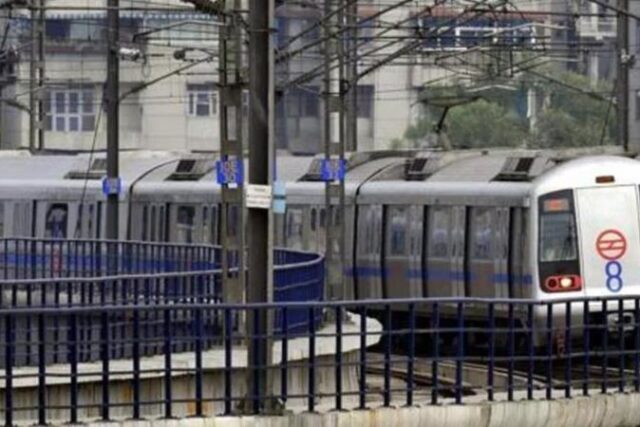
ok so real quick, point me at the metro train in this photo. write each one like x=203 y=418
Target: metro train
x=488 y=224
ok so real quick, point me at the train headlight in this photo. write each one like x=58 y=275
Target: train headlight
x=564 y=283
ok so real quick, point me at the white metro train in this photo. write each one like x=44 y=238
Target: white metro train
x=506 y=224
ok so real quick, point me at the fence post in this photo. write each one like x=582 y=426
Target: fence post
x=312 y=359
x=8 y=367
x=338 y=357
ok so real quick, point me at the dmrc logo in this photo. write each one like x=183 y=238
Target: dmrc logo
x=611 y=246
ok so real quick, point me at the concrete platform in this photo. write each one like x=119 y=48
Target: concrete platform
x=183 y=380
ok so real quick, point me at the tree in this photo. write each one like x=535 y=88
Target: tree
x=485 y=124
x=575 y=113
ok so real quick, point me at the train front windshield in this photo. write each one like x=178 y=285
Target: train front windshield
x=558 y=256
x=558 y=239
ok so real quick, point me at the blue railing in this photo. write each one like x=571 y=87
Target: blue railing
x=58 y=275
x=431 y=351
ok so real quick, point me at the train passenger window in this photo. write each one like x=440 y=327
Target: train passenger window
x=313 y=218
x=294 y=228
x=482 y=221
x=397 y=230
x=206 y=226
x=153 y=224
x=1 y=219
x=185 y=225
x=439 y=232
x=89 y=221
x=56 y=221
x=84 y=222
x=558 y=240
x=145 y=218
x=323 y=217
x=214 y=225
x=161 y=227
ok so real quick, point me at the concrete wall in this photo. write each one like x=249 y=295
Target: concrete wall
x=597 y=411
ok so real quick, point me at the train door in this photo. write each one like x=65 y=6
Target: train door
x=322 y=230
x=349 y=229
x=368 y=266
x=414 y=275
x=153 y=223
x=17 y=219
x=481 y=251
x=520 y=279
x=396 y=259
x=87 y=221
x=441 y=262
x=502 y=277
x=459 y=273
x=314 y=230
x=294 y=228
x=210 y=224
x=184 y=220
x=609 y=239
x=55 y=218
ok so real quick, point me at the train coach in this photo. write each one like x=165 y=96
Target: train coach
x=516 y=226
x=499 y=224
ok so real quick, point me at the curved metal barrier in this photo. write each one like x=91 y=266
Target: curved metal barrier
x=94 y=274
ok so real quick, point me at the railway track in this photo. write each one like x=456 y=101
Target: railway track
x=475 y=376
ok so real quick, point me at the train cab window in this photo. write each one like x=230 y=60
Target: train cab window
x=185 y=225
x=558 y=237
x=397 y=230
x=56 y=221
x=482 y=222
x=439 y=232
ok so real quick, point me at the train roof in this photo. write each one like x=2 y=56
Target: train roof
x=445 y=193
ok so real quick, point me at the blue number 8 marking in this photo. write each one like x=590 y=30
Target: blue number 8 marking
x=613 y=270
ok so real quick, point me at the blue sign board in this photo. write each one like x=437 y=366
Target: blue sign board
x=333 y=170
x=230 y=171
x=111 y=186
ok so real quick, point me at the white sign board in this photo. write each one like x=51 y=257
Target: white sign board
x=258 y=196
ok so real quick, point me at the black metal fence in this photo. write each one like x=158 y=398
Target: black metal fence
x=64 y=274
x=430 y=351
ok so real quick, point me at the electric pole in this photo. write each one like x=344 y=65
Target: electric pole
x=36 y=76
x=231 y=85
x=624 y=59
x=260 y=220
x=112 y=108
x=351 y=73
x=334 y=167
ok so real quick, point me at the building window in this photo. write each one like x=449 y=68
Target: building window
x=202 y=99
x=70 y=110
x=365 y=101
x=303 y=102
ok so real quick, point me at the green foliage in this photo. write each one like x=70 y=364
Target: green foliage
x=576 y=114
x=485 y=124
x=557 y=128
